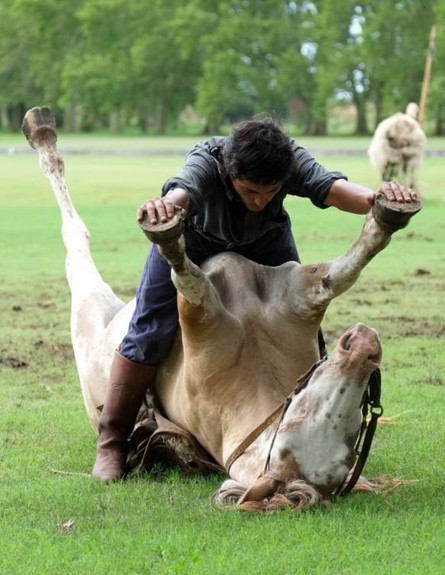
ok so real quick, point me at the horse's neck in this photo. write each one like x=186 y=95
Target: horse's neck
x=253 y=461
x=312 y=433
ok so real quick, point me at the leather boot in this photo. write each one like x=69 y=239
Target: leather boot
x=127 y=387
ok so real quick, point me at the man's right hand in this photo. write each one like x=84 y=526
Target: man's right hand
x=160 y=210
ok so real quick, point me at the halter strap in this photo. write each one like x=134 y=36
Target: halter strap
x=282 y=408
x=371 y=400
x=251 y=438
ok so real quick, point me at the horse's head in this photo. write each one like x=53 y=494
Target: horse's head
x=312 y=449
x=317 y=434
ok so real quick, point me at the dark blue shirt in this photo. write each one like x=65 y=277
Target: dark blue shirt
x=217 y=212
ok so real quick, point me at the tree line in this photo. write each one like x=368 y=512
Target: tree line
x=111 y=64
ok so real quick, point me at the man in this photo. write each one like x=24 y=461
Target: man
x=231 y=191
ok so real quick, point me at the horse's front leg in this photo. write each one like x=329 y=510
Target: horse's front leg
x=385 y=218
x=188 y=278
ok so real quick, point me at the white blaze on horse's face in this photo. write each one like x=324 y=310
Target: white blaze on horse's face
x=315 y=440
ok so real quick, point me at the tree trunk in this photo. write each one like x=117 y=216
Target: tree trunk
x=15 y=114
x=70 y=120
x=3 y=118
x=378 y=103
x=161 y=118
x=439 y=123
x=211 y=127
x=318 y=128
x=143 y=122
x=116 y=121
x=361 y=126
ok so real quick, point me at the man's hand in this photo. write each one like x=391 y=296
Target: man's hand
x=395 y=192
x=158 y=210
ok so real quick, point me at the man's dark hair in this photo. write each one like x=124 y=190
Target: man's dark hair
x=258 y=150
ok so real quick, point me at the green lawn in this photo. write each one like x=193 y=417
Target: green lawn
x=54 y=518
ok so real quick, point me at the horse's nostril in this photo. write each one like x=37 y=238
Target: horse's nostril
x=347 y=343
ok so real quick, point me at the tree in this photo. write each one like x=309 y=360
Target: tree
x=436 y=103
x=96 y=78
x=253 y=59
x=394 y=41
x=166 y=55
x=331 y=34
x=34 y=36
x=114 y=63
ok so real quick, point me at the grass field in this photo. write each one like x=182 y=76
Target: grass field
x=54 y=518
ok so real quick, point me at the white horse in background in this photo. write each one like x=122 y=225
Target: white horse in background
x=397 y=147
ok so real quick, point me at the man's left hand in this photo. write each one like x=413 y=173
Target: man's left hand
x=395 y=192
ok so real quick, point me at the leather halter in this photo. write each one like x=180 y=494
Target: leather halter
x=301 y=384
x=371 y=402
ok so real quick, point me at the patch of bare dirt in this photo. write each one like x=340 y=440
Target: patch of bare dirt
x=14 y=362
x=63 y=350
x=418 y=237
x=422 y=272
x=408 y=327
x=45 y=304
x=435 y=379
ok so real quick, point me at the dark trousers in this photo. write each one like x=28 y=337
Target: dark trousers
x=155 y=321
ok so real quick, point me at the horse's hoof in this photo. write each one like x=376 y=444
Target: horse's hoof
x=39 y=127
x=164 y=231
x=394 y=216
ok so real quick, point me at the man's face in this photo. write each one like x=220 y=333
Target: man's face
x=256 y=196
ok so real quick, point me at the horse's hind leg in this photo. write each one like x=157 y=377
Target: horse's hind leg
x=410 y=168
x=93 y=303
x=390 y=172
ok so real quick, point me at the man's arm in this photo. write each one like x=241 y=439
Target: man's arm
x=163 y=209
x=357 y=199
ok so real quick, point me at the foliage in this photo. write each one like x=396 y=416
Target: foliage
x=437 y=102
x=120 y=63
x=395 y=49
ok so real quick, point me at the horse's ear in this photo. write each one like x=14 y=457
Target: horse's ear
x=262 y=488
